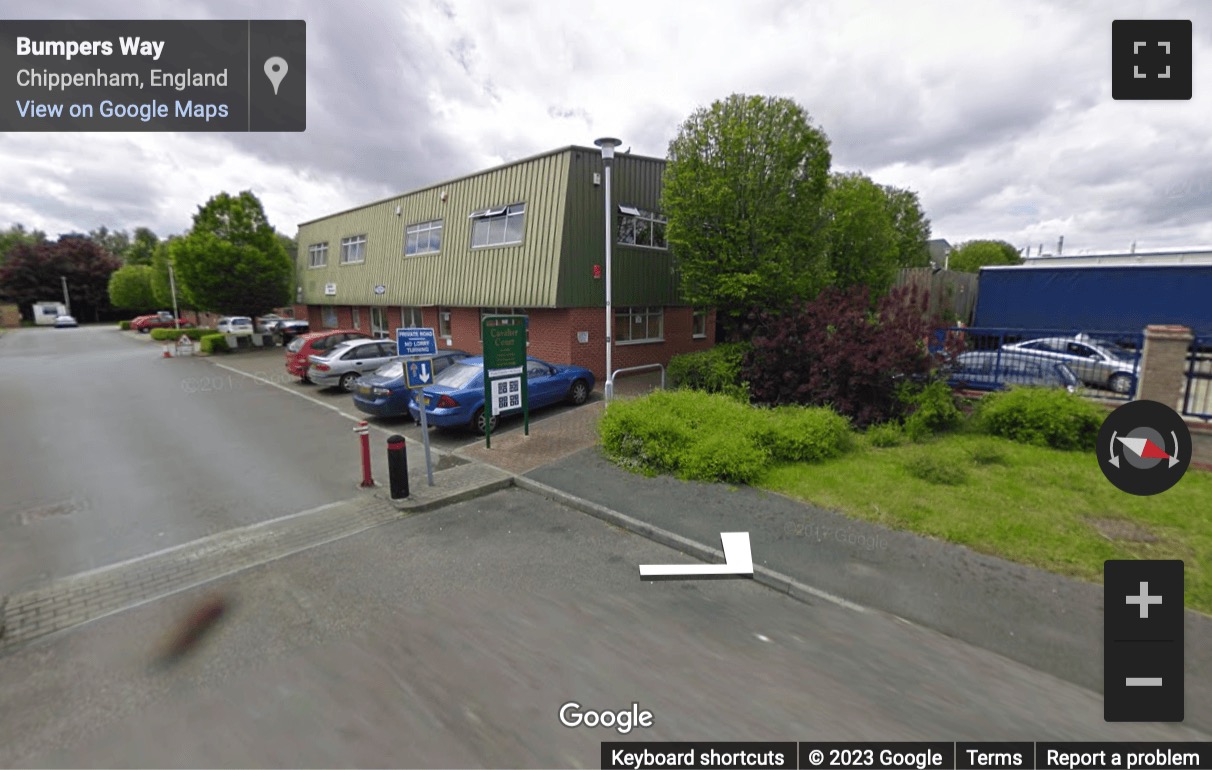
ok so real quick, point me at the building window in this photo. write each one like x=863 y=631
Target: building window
x=353 y=250
x=410 y=317
x=356 y=316
x=330 y=317
x=638 y=227
x=378 y=323
x=444 y=322
x=639 y=324
x=699 y=325
x=425 y=238
x=317 y=255
x=499 y=226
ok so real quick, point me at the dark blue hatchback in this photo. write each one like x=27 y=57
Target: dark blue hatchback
x=385 y=394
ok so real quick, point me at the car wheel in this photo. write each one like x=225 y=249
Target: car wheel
x=478 y=422
x=144 y=330
x=579 y=392
x=347 y=381
x=1120 y=383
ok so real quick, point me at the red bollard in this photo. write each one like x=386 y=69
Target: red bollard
x=363 y=430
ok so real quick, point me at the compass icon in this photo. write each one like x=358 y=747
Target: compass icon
x=1144 y=448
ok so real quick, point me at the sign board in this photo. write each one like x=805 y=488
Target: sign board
x=380 y=289
x=418 y=374
x=185 y=346
x=504 y=369
x=330 y=290
x=416 y=342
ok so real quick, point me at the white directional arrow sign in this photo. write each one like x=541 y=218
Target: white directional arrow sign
x=737 y=555
x=424 y=375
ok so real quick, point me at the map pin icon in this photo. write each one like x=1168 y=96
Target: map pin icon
x=275 y=70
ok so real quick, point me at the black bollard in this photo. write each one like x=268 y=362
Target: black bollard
x=397 y=467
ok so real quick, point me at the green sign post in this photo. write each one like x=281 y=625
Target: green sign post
x=504 y=370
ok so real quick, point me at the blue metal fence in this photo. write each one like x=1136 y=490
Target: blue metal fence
x=1100 y=364
x=1197 y=402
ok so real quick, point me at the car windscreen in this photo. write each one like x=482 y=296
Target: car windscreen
x=457 y=376
x=296 y=345
x=393 y=370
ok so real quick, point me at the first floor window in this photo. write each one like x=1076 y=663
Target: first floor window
x=330 y=317
x=444 y=322
x=317 y=255
x=353 y=249
x=639 y=324
x=424 y=238
x=699 y=324
x=638 y=227
x=410 y=317
x=499 y=226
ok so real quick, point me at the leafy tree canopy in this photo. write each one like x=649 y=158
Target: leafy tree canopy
x=863 y=243
x=911 y=225
x=116 y=242
x=232 y=261
x=16 y=236
x=34 y=273
x=142 y=247
x=743 y=190
x=130 y=288
x=971 y=256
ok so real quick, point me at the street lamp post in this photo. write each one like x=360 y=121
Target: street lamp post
x=172 y=285
x=67 y=300
x=608 y=144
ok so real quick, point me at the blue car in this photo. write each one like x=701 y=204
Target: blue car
x=998 y=370
x=385 y=393
x=456 y=398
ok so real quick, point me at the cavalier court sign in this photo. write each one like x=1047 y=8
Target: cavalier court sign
x=504 y=370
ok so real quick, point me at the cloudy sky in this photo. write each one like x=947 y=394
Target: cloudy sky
x=999 y=114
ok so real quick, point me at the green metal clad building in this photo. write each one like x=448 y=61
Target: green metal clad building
x=526 y=237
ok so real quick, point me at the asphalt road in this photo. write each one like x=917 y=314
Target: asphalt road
x=446 y=639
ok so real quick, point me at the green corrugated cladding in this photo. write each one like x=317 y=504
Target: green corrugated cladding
x=563 y=239
x=642 y=276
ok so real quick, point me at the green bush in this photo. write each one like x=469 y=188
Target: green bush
x=800 y=434
x=214 y=343
x=988 y=453
x=703 y=436
x=886 y=434
x=934 y=411
x=934 y=469
x=717 y=370
x=1045 y=417
x=124 y=325
x=170 y=335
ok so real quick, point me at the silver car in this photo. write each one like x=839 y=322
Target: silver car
x=1098 y=365
x=345 y=363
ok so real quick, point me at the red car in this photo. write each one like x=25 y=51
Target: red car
x=145 y=323
x=300 y=348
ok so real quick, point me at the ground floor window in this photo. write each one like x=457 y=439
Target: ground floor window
x=639 y=324
x=444 y=322
x=330 y=317
x=699 y=325
x=356 y=315
x=378 y=323
x=410 y=318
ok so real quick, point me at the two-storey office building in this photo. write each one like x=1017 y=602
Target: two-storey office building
x=527 y=237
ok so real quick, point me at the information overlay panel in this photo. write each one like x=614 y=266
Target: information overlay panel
x=929 y=755
x=99 y=76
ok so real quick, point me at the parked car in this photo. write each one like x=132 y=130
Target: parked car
x=267 y=324
x=65 y=322
x=1095 y=363
x=998 y=370
x=300 y=350
x=456 y=398
x=385 y=393
x=346 y=363
x=162 y=320
x=289 y=328
x=238 y=324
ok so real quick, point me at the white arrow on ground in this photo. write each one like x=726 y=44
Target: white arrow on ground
x=737 y=555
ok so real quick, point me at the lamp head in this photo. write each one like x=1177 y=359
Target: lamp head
x=608 y=144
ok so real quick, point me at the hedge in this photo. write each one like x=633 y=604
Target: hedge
x=214 y=343
x=170 y=335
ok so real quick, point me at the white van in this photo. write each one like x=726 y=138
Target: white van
x=45 y=313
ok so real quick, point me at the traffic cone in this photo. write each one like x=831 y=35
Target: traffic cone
x=166 y=353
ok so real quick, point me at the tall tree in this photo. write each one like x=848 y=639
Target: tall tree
x=743 y=190
x=863 y=243
x=130 y=288
x=971 y=256
x=912 y=227
x=16 y=236
x=35 y=274
x=232 y=261
x=116 y=242
x=142 y=247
